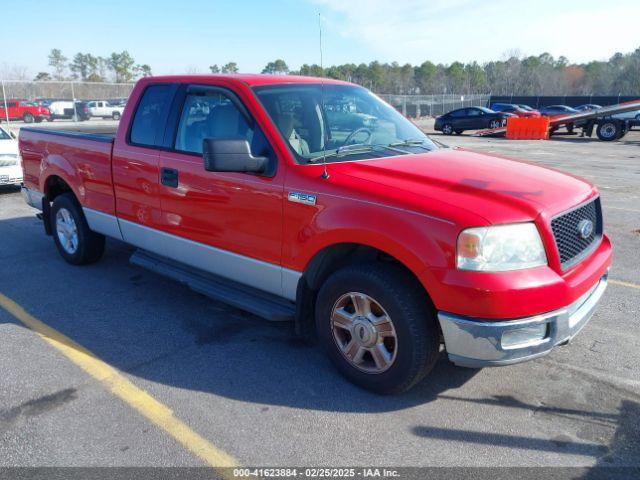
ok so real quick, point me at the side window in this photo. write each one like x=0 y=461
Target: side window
x=210 y=115
x=147 y=127
x=457 y=113
x=472 y=112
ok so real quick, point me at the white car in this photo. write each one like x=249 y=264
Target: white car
x=102 y=108
x=10 y=168
x=633 y=115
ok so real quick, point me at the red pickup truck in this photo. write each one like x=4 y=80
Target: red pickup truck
x=267 y=193
x=22 y=110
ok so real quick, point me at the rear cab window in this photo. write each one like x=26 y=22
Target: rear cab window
x=148 y=124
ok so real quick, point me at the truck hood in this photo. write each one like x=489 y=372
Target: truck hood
x=498 y=189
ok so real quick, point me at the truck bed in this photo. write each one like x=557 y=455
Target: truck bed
x=78 y=156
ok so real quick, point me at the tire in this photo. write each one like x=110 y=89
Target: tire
x=410 y=345
x=28 y=118
x=495 y=124
x=608 y=130
x=50 y=119
x=67 y=218
x=39 y=120
x=447 y=129
x=570 y=128
x=459 y=132
x=115 y=115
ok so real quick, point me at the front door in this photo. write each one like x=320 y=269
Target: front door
x=229 y=224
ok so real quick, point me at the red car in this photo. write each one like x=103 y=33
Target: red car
x=23 y=110
x=518 y=110
x=359 y=229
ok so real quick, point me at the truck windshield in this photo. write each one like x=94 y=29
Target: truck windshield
x=339 y=121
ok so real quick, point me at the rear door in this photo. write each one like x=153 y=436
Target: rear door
x=457 y=118
x=135 y=166
x=227 y=223
x=474 y=119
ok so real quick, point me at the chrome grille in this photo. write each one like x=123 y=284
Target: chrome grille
x=8 y=160
x=572 y=246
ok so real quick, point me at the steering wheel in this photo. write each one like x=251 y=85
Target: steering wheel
x=357 y=131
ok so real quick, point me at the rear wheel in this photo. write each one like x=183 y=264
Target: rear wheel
x=28 y=118
x=116 y=115
x=608 y=130
x=377 y=326
x=76 y=243
x=447 y=129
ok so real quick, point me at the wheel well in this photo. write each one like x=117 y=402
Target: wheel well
x=322 y=265
x=55 y=186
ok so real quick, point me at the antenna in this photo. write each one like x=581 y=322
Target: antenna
x=325 y=173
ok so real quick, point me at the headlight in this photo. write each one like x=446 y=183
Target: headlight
x=500 y=248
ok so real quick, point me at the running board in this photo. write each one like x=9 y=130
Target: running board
x=262 y=304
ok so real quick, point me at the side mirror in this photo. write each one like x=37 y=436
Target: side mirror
x=231 y=155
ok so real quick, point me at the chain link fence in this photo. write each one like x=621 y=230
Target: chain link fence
x=44 y=93
x=37 y=91
x=417 y=106
x=414 y=106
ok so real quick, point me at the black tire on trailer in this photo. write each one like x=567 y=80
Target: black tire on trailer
x=608 y=130
x=28 y=118
x=378 y=326
x=75 y=242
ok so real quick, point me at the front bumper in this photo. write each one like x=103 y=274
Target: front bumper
x=478 y=343
x=11 y=175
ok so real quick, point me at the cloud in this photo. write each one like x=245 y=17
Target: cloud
x=446 y=30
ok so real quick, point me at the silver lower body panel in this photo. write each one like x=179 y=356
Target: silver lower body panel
x=478 y=343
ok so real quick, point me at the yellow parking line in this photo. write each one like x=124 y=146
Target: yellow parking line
x=624 y=284
x=122 y=388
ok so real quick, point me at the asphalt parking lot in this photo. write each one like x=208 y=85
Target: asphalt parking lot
x=260 y=396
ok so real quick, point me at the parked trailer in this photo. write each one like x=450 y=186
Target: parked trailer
x=601 y=119
x=607 y=128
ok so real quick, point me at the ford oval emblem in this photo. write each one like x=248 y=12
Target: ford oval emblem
x=585 y=228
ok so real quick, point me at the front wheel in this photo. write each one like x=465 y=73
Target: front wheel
x=378 y=327
x=495 y=124
x=74 y=240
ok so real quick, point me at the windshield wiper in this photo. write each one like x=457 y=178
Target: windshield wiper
x=410 y=143
x=344 y=150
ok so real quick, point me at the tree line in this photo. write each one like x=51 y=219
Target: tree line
x=119 y=67
x=514 y=75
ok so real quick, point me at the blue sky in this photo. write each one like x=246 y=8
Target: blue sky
x=189 y=35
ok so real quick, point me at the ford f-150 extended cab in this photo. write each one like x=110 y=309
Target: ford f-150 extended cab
x=368 y=235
